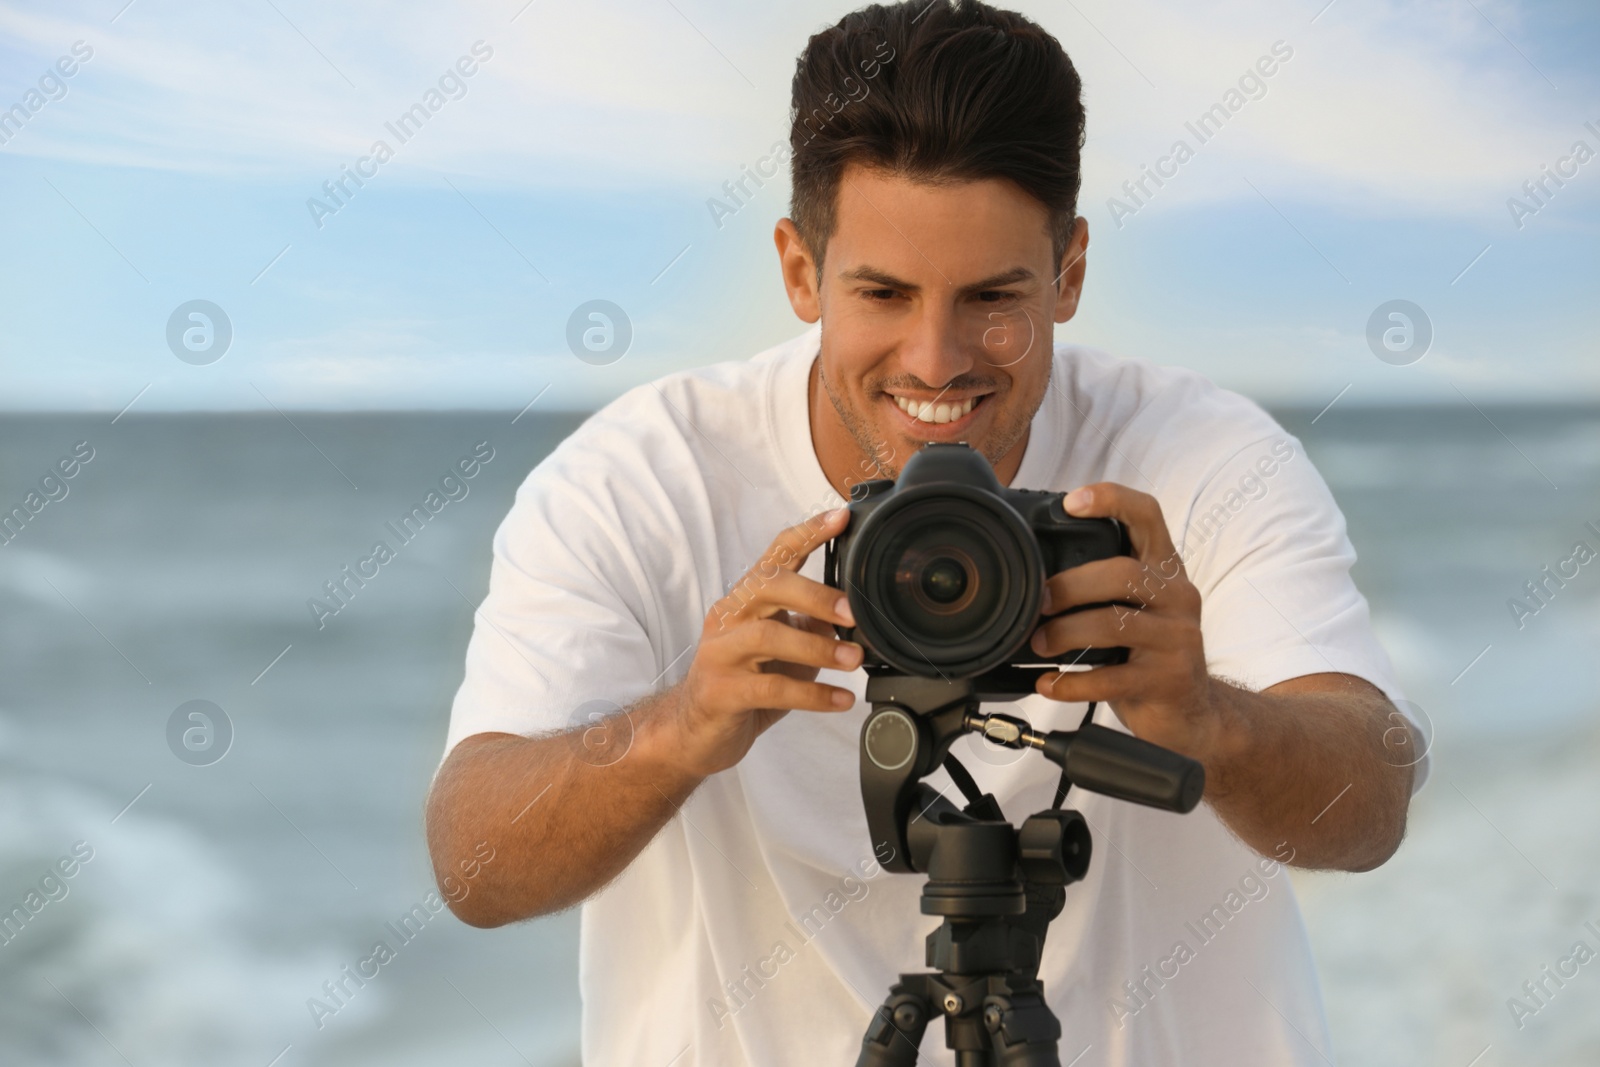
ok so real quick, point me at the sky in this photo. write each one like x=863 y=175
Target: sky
x=184 y=159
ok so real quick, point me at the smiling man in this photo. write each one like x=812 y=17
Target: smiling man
x=658 y=720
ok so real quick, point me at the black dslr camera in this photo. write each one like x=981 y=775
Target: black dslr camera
x=945 y=568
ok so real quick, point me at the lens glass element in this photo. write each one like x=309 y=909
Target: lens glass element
x=944 y=581
x=947 y=579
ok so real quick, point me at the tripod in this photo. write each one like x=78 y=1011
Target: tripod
x=997 y=886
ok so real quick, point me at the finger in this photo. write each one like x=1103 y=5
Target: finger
x=793 y=670
x=805 y=622
x=770 y=639
x=784 y=557
x=1139 y=512
x=786 y=591
x=756 y=597
x=791 y=548
x=1123 y=580
x=1106 y=628
x=1100 y=580
x=1100 y=684
x=790 y=694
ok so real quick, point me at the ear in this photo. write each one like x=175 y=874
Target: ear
x=1070 y=285
x=799 y=271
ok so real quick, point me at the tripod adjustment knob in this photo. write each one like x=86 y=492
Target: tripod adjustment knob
x=907 y=1016
x=890 y=739
x=895 y=1033
x=1053 y=847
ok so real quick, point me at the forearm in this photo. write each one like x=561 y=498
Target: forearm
x=1326 y=772
x=563 y=817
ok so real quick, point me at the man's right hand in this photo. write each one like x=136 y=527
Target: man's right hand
x=759 y=654
x=760 y=650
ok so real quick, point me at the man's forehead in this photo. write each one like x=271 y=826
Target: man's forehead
x=959 y=234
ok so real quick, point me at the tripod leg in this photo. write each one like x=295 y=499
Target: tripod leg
x=895 y=1033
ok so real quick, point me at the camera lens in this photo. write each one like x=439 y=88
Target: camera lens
x=944 y=580
x=939 y=589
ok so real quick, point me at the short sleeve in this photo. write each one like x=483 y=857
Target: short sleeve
x=1266 y=546
x=565 y=628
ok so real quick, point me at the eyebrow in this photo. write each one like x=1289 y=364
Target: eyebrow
x=889 y=281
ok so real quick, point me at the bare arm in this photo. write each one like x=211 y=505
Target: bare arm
x=566 y=813
x=1276 y=760
x=1322 y=763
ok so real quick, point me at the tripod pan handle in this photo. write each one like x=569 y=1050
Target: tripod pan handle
x=1123 y=766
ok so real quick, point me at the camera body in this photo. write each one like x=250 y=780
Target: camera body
x=945 y=567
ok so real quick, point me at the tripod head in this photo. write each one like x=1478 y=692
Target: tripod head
x=914 y=721
x=997 y=886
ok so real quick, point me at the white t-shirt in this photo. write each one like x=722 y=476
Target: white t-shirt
x=757 y=926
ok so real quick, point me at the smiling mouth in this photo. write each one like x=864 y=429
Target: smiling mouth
x=937 y=411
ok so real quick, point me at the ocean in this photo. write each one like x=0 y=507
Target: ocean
x=220 y=895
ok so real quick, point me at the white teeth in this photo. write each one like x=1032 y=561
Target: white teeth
x=928 y=411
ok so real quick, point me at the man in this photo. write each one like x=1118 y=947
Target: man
x=658 y=720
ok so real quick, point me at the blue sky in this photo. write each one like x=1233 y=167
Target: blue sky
x=576 y=161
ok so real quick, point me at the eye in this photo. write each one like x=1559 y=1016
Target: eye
x=999 y=296
x=879 y=295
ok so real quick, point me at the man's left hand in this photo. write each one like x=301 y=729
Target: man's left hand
x=1163 y=693
x=1304 y=763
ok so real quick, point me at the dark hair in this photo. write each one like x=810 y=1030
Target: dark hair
x=956 y=90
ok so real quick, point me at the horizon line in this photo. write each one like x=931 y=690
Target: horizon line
x=1552 y=403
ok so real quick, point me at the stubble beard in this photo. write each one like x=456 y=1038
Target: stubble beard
x=878 y=453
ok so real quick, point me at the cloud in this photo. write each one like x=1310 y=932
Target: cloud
x=1381 y=107
x=1391 y=138
x=1424 y=106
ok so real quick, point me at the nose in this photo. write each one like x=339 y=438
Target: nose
x=934 y=351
